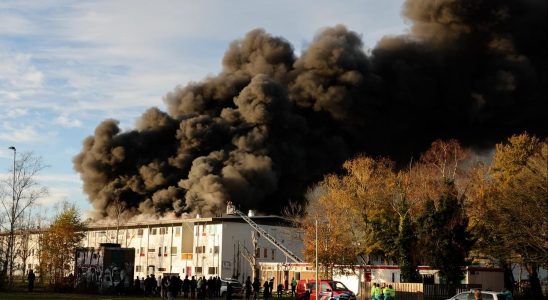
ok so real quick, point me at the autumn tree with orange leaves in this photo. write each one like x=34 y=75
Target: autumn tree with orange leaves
x=371 y=210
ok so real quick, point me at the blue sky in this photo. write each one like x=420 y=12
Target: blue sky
x=67 y=65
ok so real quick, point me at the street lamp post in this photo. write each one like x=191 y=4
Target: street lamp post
x=11 y=241
x=13 y=186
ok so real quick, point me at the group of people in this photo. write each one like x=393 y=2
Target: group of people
x=167 y=287
x=172 y=286
x=384 y=292
x=253 y=289
x=268 y=288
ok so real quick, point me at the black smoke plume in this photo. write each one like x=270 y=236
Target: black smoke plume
x=272 y=123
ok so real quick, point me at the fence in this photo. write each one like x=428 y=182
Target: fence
x=419 y=291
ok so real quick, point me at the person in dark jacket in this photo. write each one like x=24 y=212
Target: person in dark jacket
x=248 y=288
x=271 y=287
x=193 y=285
x=266 y=290
x=186 y=287
x=229 y=291
x=256 y=288
x=31 y=277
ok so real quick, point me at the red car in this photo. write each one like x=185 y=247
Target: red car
x=328 y=290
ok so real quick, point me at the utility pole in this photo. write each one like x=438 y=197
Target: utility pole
x=317 y=282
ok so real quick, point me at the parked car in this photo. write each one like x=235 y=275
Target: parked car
x=485 y=295
x=237 y=288
x=328 y=290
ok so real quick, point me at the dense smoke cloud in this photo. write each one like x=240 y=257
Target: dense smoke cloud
x=270 y=123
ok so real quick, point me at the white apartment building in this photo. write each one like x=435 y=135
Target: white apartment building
x=196 y=247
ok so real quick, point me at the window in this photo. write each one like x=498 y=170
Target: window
x=200 y=249
x=199 y=230
x=216 y=249
x=142 y=251
x=151 y=250
x=153 y=231
x=159 y=251
x=211 y=270
x=161 y=269
x=273 y=251
x=140 y=232
x=198 y=270
x=163 y=230
x=178 y=231
x=173 y=251
x=258 y=252
x=265 y=253
x=338 y=286
x=138 y=268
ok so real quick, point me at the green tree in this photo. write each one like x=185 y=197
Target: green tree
x=405 y=244
x=445 y=240
x=59 y=243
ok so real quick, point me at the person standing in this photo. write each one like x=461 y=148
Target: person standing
x=266 y=290
x=280 y=290
x=163 y=286
x=376 y=292
x=148 y=286
x=271 y=287
x=229 y=291
x=31 y=277
x=293 y=287
x=173 y=287
x=389 y=293
x=256 y=288
x=248 y=288
x=193 y=286
x=186 y=287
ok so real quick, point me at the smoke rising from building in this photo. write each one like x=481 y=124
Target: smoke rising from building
x=272 y=123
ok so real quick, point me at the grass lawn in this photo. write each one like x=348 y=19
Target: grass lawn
x=46 y=295
x=52 y=296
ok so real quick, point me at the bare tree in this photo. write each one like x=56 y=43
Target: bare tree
x=17 y=194
x=26 y=227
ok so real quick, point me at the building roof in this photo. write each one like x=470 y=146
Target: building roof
x=106 y=225
x=261 y=220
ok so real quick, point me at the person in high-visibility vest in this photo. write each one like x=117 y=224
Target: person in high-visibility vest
x=389 y=293
x=376 y=292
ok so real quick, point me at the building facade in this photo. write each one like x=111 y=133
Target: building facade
x=194 y=247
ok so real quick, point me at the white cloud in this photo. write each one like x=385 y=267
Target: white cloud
x=23 y=134
x=17 y=112
x=59 y=178
x=65 y=121
x=18 y=74
x=15 y=25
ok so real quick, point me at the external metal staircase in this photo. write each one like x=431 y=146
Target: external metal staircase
x=263 y=233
